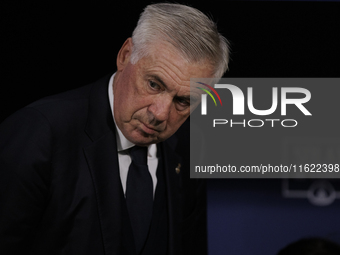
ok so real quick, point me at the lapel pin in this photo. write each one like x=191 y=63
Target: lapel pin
x=178 y=168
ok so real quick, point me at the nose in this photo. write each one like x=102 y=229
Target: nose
x=160 y=108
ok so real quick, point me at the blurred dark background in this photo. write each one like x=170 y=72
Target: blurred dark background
x=50 y=47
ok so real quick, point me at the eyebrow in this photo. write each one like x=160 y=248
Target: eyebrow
x=188 y=98
x=159 y=80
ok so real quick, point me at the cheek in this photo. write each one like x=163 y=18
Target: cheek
x=132 y=107
x=124 y=100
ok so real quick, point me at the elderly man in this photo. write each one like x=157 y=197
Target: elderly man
x=96 y=170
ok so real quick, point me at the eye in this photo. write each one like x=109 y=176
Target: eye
x=182 y=103
x=154 y=85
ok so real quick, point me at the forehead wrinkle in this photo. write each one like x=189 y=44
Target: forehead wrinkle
x=198 y=67
x=175 y=68
x=175 y=73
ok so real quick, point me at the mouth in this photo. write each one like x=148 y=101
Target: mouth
x=149 y=129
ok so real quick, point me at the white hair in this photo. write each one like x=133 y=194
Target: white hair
x=190 y=31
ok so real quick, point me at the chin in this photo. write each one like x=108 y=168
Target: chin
x=143 y=141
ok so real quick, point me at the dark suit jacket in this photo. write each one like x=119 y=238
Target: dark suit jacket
x=60 y=185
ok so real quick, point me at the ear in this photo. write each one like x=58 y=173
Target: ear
x=124 y=54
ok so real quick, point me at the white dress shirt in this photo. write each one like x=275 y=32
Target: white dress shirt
x=124 y=144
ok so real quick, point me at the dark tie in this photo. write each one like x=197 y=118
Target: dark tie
x=139 y=195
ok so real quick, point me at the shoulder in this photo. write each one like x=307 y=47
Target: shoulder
x=55 y=119
x=62 y=105
x=67 y=107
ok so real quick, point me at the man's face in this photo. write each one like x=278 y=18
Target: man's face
x=152 y=97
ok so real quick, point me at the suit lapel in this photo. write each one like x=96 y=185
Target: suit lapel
x=102 y=159
x=103 y=164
